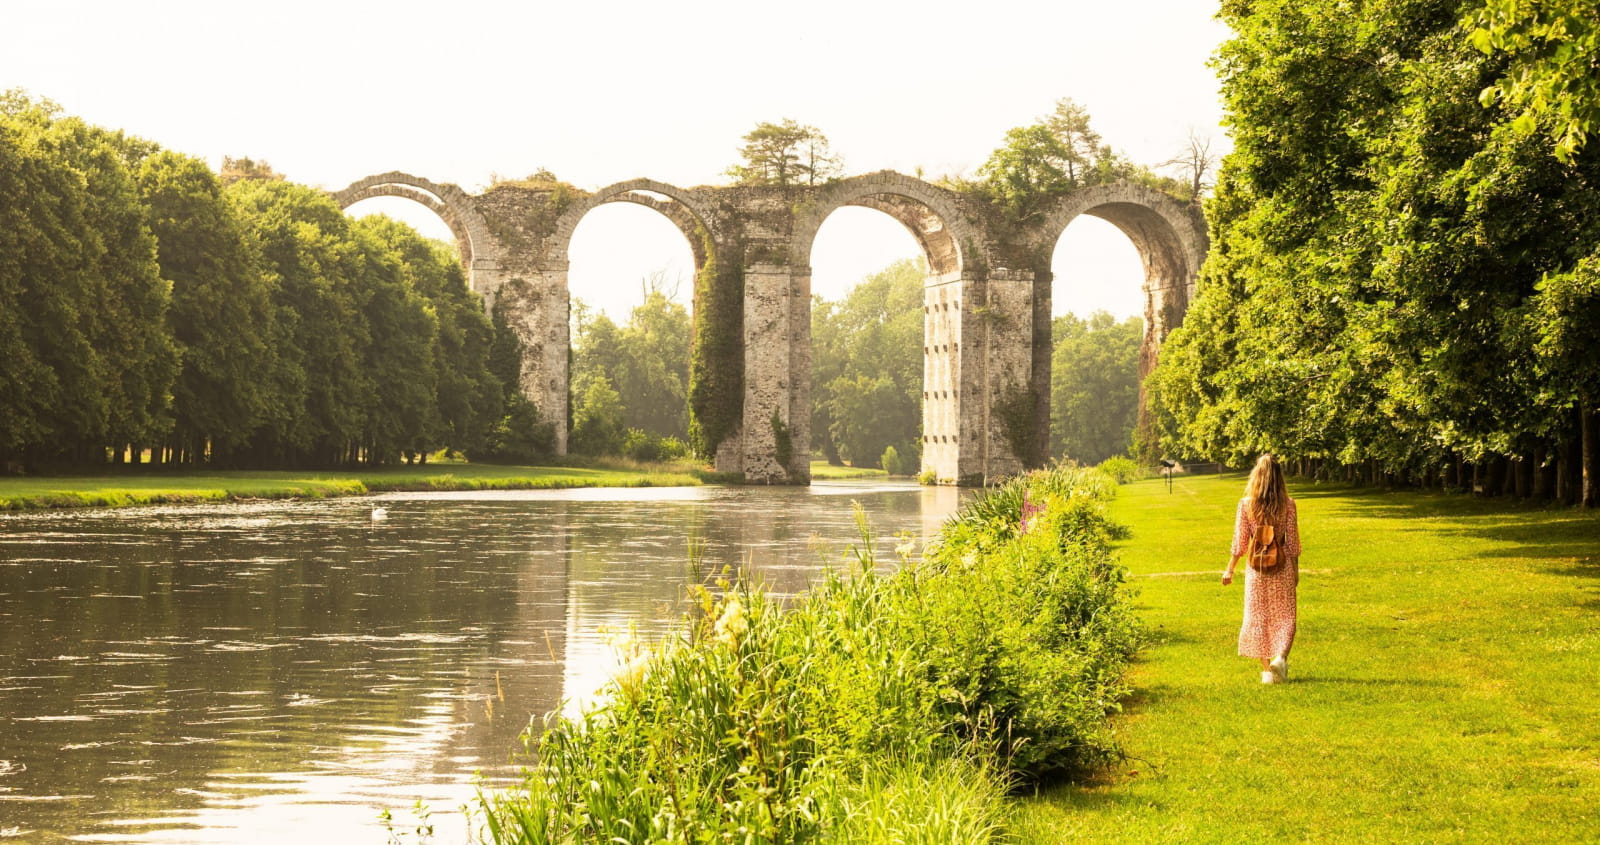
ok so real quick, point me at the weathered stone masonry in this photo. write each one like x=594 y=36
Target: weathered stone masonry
x=986 y=312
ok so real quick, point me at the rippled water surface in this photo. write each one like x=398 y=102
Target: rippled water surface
x=257 y=672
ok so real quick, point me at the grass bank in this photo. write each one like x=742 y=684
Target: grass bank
x=824 y=471
x=870 y=710
x=153 y=486
x=1442 y=685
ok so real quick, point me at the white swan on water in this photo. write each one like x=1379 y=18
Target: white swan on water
x=380 y=513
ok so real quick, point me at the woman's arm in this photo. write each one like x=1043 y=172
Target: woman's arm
x=1241 y=532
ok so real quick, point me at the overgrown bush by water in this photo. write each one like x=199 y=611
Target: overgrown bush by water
x=876 y=708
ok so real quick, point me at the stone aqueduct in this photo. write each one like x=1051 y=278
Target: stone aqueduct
x=986 y=373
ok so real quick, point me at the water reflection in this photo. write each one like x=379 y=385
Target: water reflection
x=261 y=671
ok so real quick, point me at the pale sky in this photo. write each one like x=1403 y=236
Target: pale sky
x=598 y=92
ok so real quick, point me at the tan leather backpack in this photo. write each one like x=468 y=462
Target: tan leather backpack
x=1265 y=551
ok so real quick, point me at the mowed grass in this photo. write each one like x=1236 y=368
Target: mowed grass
x=824 y=471
x=1445 y=682
x=154 y=486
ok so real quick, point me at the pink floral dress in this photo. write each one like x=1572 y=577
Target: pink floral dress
x=1269 y=597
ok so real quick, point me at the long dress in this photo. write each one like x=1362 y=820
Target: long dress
x=1269 y=597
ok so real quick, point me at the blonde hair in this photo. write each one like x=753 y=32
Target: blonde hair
x=1266 y=495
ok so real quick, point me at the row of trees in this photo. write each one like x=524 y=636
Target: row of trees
x=1404 y=281
x=146 y=306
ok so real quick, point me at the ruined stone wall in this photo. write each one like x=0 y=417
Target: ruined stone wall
x=986 y=327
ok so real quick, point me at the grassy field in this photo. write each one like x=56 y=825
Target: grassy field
x=1443 y=684
x=154 y=486
x=824 y=471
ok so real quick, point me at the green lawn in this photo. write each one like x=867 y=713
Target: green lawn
x=153 y=486
x=824 y=471
x=1445 y=684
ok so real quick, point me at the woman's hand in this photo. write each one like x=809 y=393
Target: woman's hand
x=1227 y=577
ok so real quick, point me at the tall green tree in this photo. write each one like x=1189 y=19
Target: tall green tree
x=90 y=318
x=402 y=417
x=221 y=314
x=785 y=154
x=867 y=361
x=1059 y=153
x=1380 y=244
x=1553 y=82
x=320 y=384
x=470 y=398
x=1094 y=389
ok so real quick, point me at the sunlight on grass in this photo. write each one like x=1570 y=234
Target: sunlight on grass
x=1442 y=682
x=160 y=487
x=824 y=471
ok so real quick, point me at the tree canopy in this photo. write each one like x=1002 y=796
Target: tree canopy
x=785 y=154
x=1401 y=282
x=146 y=307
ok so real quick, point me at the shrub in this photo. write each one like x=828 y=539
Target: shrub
x=643 y=446
x=1121 y=468
x=519 y=438
x=873 y=709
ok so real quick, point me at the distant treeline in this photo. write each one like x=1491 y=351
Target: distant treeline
x=148 y=308
x=1404 y=281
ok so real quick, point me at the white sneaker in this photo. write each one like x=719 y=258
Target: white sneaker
x=1280 y=667
x=1269 y=677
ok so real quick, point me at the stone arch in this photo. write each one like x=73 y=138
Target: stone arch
x=1170 y=237
x=930 y=213
x=682 y=208
x=454 y=206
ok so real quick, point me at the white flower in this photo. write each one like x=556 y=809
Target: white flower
x=732 y=624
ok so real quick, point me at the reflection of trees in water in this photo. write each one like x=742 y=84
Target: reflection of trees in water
x=212 y=661
x=312 y=650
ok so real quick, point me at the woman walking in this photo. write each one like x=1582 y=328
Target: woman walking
x=1269 y=591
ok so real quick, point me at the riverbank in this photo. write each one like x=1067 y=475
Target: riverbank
x=877 y=707
x=1442 y=687
x=158 y=486
x=824 y=471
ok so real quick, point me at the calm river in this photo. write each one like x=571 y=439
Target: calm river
x=281 y=672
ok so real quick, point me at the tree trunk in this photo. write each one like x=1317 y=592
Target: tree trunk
x=1568 y=467
x=1544 y=476
x=1591 y=473
x=1524 y=476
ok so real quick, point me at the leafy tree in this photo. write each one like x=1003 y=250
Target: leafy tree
x=321 y=384
x=87 y=303
x=867 y=361
x=1057 y=154
x=1094 y=392
x=597 y=427
x=1554 y=77
x=401 y=359
x=238 y=169
x=653 y=371
x=1393 y=289
x=221 y=315
x=646 y=361
x=785 y=154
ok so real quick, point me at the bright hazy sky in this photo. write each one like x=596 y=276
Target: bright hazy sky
x=599 y=92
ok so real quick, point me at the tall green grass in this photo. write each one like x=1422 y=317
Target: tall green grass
x=897 y=708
